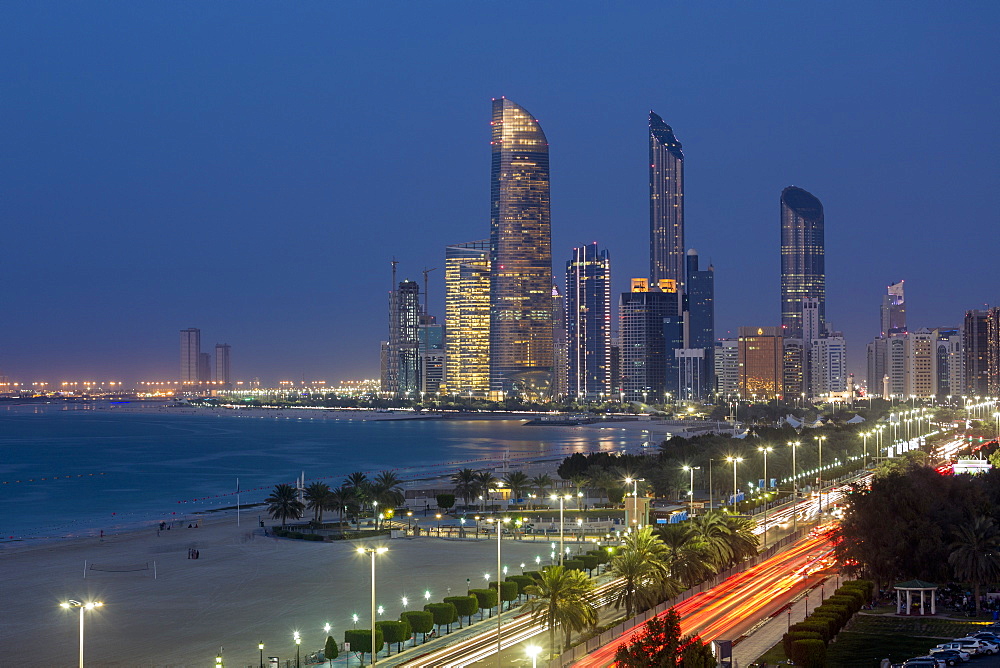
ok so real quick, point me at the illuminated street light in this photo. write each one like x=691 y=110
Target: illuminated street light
x=533 y=651
x=89 y=605
x=561 y=497
x=691 y=470
x=373 y=551
x=734 y=461
x=820 y=440
x=260 y=646
x=298 y=644
x=765 y=449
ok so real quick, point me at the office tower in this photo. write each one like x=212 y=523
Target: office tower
x=948 y=371
x=673 y=343
x=893 y=311
x=727 y=367
x=204 y=368
x=761 y=361
x=919 y=380
x=190 y=354
x=876 y=352
x=692 y=373
x=560 y=349
x=827 y=366
x=520 y=254
x=588 y=323
x=802 y=258
x=993 y=352
x=430 y=337
x=222 y=372
x=403 y=362
x=616 y=369
x=700 y=289
x=975 y=341
x=386 y=380
x=643 y=344
x=794 y=368
x=467 y=318
x=666 y=203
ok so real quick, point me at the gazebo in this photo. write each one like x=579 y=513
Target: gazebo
x=911 y=586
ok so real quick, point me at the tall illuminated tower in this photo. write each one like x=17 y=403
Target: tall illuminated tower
x=520 y=253
x=588 y=323
x=190 y=355
x=467 y=318
x=803 y=271
x=666 y=204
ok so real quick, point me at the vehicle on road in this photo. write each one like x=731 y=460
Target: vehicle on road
x=980 y=646
x=925 y=662
x=951 y=657
x=955 y=646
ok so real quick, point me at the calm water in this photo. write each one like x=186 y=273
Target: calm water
x=71 y=470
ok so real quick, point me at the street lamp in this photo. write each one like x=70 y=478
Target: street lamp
x=765 y=449
x=500 y=523
x=691 y=469
x=735 y=461
x=89 y=605
x=298 y=644
x=820 y=439
x=533 y=651
x=635 y=501
x=373 y=551
x=795 y=487
x=561 y=497
x=864 y=439
x=260 y=646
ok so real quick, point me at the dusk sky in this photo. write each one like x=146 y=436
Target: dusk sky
x=251 y=168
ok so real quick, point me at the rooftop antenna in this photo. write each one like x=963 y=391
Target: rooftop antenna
x=426 y=271
x=393 y=262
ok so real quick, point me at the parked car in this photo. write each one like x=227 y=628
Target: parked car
x=954 y=646
x=980 y=646
x=951 y=657
x=986 y=635
x=925 y=662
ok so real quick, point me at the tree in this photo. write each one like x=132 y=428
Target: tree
x=685 y=554
x=741 y=539
x=360 y=488
x=316 y=495
x=420 y=621
x=445 y=501
x=283 y=504
x=660 y=644
x=330 y=650
x=713 y=532
x=444 y=614
x=644 y=577
x=465 y=484
x=975 y=554
x=485 y=480
x=465 y=606
x=541 y=484
x=360 y=641
x=339 y=499
x=487 y=599
x=396 y=632
x=563 y=598
x=518 y=482
x=386 y=492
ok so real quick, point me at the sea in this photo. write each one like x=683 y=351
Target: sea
x=69 y=469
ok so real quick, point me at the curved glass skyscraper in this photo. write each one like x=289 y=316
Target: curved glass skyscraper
x=520 y=253
x=803 y=269
x=666 y=203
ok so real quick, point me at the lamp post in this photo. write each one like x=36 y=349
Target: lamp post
x=820 y=440
x=89 y=605
x=561 y=497
x=735 y=461
x=500 y=524
x=691 y=470
x=260 y=646
x=373 y=551
x=795 y=487
x=765 y=449
x=711 y=492
x=864 y=439
x=533 y=651
x=298 y=644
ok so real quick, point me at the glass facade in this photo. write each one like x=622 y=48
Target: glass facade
x=521 y=323
x=644 y=363
x=467 y=318
x=701 y=316
x=761 y=361
x=190 y=354
x=403 y=373
x=666 y=203
x=588 y=322
x=803 y=272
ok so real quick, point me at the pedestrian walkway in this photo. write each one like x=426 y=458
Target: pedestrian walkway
x=768 y=635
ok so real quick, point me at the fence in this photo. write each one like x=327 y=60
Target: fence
x=576 y=653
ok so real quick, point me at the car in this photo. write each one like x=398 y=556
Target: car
x=951 y=656
x=955 y=647
x=924 y=662
x=980 y=646
x=986 y=635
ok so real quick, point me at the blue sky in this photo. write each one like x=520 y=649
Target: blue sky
x=251 y=168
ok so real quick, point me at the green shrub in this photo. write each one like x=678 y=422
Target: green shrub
x=867 y=587
x=575 y=564
x=420 y=621
x=295 y=534
x=840 y=611
x=832 y=621
x=465 y=606
x=361 y=640
x=809 y=653
x=444 y=614
x=534 y=575
x=590 y=561
x=792 y=636
x=487 y=598
x=602 y=556
x=522 y=581
x=820 y=626
x=394 y=633
x=313 y=536
x=852 y=603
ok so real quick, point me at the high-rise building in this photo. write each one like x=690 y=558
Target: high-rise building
x=701 y=316
x=948 y=370
x=692 y=373
x=803 y=273
x=431 y=347
x=975 y=344
x=893 y=311
x=520 y=253
x=644 y=363
x=467 y=318
x=827 y=365
x=560 y=347
x=761 y=361
x=204 y=368
x=993 y=352
x=588 y=323
x=727 y=367
x=190 y=355
x=403 y=363
x=666 y=203
x=794 y=368
x=222 y=370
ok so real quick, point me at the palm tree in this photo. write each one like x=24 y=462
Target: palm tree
x=579 y=481
x=465 y=484
x=360 y=488
x=484 y=481
x=713 y=530
x=284 y=504
x=685 y=555
x=606 y=482
x=339 y=499
x=563 y=597
x=975 y=554
x=316 y=499
x=518 y=482
x=386 y=491
x=742 y=541
x=541 y=484
x=641 y=566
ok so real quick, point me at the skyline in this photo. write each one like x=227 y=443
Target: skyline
x=163 y=174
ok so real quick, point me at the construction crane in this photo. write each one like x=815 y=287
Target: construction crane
x=426 y=271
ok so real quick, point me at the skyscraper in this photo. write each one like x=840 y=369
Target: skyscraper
x=520 y=253
x=975 y=342
x=803 y=273
x=893 y=311
x=467 y=318
x=204 y=368
x=222 y=371
x=588 y=322
x=666 y=203
x=701 y=318
x=644 y=361
x=403 y=362
x=761 y=361
x=190 y=354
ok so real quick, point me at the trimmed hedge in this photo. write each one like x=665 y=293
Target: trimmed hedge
x=420 y=621
x=361 y=640
x=852 y=603
x=465 y=606
x=602 y=556
x=444 y=614
x=840 y=612
x=521 y=581
x=394 y=633
x=590 y=561
x=575 y=564
x=820 y=626
x=508 y=590
x=487 y=598
x=789 y=638
x=809 y=653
